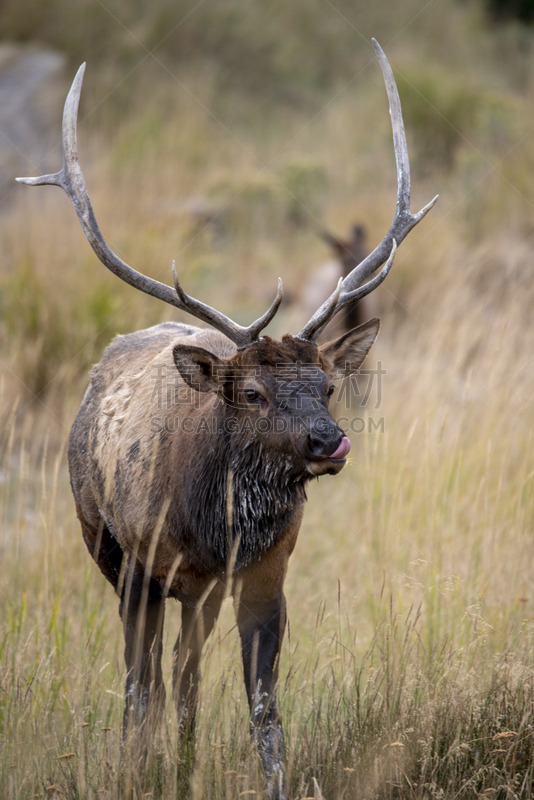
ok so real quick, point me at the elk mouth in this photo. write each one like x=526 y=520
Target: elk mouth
x=332 y=463
x=342 y=450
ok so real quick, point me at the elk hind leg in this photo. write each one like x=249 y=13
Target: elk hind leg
x=103 y=548
x=142 y=612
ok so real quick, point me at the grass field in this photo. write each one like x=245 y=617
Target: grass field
x=408 y=668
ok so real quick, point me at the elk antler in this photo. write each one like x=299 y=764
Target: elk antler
x=71 y=179
x=353 y=287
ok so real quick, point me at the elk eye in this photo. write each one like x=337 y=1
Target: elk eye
x=252 y=395
x=330 y=391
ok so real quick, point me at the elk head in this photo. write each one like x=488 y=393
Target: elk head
x=278 y=393
x=349 y=251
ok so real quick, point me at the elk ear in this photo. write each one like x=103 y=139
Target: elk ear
x=345 y=355
x=335 y=244
x=200 y=369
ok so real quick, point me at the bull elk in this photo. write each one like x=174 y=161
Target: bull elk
x=201 y=494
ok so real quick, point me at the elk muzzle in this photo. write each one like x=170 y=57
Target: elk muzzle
x=327 y=447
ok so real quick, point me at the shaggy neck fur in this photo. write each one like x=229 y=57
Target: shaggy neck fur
x=266 y=488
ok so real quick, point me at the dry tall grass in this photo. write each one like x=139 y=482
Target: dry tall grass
x=408 y=667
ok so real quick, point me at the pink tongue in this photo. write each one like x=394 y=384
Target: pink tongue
x=343 y=449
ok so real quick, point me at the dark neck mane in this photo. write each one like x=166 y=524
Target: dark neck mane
x=266 y=491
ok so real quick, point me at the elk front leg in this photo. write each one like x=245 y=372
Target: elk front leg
x=142 y=611
x=261 y=627
x=197 y=624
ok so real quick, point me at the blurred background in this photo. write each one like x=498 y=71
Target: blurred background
x=227 y=136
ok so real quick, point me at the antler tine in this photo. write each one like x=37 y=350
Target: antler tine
x=200 y=310
x=70 y=179
x=354 y=286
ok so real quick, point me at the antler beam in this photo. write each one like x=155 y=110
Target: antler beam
x=354 y=286
x=70 y=179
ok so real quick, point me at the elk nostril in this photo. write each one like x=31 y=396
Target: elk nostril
x=314 y=444
x=323 y=437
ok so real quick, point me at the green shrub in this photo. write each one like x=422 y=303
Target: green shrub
x=523 y=10
x=51 y=333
